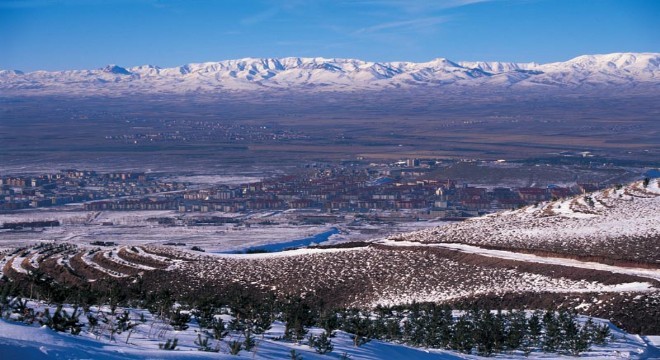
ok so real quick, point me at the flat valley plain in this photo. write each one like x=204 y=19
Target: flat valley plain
x=244 y=131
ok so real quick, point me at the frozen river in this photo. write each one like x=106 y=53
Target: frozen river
x=280 y=246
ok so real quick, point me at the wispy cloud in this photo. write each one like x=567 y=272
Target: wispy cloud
x=418 y=6
x=413 y=24
x=260 y=17
x=18 y=4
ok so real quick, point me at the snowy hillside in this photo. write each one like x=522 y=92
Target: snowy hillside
x=618 y=224
x=18 y=341
x=24 y=339
x=321 y=74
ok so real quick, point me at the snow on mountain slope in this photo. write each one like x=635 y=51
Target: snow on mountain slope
x=615 y=69
x=495 y=67
x=321 y=74
x=617 y=224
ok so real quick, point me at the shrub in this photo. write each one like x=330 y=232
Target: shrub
x=61 y=321
x=203 y=344
x=170 y=344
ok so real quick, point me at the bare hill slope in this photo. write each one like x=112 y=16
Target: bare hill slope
x=613 y=225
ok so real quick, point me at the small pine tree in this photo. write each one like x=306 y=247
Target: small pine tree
x=532 y=334
x=570 y=331
x=92 y=322
x=483 y=333
x=329 y=322
x=260 y=321
x=419 y=329
x=179 y=320
x=19 y=306
x=517 y=330
x=602 y=334
x=218 y=327
x=235 y=347
x=446 y=327
x=293 y=355
x=462 y=339
x=393 y=330
x=297 y=316
x=535 y=328
x=590 y=328
x=582 y=343
x=249 y=343
x=360 y=329
x=499 y=331
x=124 y=321
x=552 y=336
x=407 y=332
x=322 y=343
x=204 y=315
x=236 y=324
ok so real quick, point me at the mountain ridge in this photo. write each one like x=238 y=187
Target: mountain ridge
x=337 y=74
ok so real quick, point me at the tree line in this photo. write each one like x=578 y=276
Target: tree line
x=472 y=331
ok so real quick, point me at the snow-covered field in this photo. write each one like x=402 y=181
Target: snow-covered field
x=139 y=228
x=214 y=179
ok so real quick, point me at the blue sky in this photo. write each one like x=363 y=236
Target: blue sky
x=83 y=34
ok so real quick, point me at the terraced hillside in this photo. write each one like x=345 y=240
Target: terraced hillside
x=618 y=225
x=361 y=276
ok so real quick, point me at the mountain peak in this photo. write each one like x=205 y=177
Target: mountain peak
x=442 y=62
x=115 y=69
x=11 y=72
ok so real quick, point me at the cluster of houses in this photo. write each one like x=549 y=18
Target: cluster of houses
x=358 y=190
x=333 y=189
x=75 y=186
x=345 y=189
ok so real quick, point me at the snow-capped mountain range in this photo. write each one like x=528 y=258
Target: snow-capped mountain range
x=321 y=74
